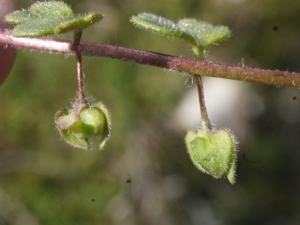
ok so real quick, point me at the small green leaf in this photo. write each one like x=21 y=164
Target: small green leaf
x=160 y=25
x=76 y=126
x=198 y=33
x=48 y=18
x=38 y=27
x=40 y=10
x=19 y=17
x=51 y=8
x=204 y=33
x=213 y=153
x=78 y=23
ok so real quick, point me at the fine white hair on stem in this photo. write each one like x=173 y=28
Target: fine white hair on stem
x=242 y=63
x=190 y=79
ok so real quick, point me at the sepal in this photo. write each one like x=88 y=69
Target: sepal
x=78 y=125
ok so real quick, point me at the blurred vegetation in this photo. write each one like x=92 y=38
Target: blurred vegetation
x=144 y=174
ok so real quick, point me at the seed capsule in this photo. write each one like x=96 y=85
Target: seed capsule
x=213 y=153
x=76 y=126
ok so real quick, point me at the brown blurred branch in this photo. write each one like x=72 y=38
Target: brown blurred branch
x=196 y=67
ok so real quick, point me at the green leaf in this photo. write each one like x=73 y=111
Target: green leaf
x=78 y=23
x=198 y=33
x=160 y=25
x=38 y=27
x=203 y=33
x=40 y=10
x=76 y=126
x=19 y=17
x=51 y=8
x=48 y=18
x=213 y=153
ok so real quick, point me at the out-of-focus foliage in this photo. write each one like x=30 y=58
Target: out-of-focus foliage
x=144 y=174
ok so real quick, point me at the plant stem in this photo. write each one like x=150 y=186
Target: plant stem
x=80 y=85
x=195 y=67
x=204 y=116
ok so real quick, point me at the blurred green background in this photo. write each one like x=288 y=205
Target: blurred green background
x=144 y=174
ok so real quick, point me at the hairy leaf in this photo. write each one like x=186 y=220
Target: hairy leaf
x=198 y=33
x=47 y=18
x=160 y=25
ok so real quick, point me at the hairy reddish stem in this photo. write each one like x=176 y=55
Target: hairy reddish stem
x=204 y=116
x=80 y=85
x=195 y=67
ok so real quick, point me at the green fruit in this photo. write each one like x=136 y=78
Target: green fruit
x=213 y=153
x=76 y=126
